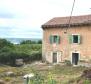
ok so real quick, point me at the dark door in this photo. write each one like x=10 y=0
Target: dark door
x=75 y=58
x=54 y=57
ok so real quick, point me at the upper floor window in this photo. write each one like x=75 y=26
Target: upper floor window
x=54 y=39
x=75 y=39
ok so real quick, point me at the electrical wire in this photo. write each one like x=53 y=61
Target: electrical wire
x=71 y=15
x=68 y=26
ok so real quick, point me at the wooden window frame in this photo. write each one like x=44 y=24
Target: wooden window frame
x=54 y=39
x=79 y=40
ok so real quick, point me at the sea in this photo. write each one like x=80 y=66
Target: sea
x=18 y=40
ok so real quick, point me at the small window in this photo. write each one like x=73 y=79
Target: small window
x=54 y=39
x=75 y=38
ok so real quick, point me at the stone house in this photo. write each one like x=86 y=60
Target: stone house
x=63 y=41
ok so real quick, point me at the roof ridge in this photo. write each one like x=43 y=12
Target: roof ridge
x=74 y=16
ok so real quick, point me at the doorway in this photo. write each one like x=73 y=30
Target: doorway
x=75 y=58
x=55 y=57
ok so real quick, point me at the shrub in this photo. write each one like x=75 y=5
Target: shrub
x=39 y=79
x=86 y=81
x=39 y=42
x=10 y=57
x=50 y=79
x=4 y=42
x=7 y=79
x=28 y=42
x=35 y=56
x=68 y=63
x=27 y=52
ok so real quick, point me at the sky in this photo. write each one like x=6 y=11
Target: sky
x=23 y=18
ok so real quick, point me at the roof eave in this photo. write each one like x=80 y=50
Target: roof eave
x=66 y=25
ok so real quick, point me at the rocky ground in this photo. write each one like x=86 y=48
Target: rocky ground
x=62 y=73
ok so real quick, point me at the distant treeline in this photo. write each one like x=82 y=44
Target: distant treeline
x=19 y=40
x=31 y=42
x=27 y=50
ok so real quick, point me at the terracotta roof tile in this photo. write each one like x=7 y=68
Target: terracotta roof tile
x=64 y=21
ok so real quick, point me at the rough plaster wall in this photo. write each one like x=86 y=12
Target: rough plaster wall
x=65 y=47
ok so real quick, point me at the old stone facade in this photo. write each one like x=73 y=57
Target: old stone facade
x=74 y=42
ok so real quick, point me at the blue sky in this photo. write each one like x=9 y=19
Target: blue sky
x=23 y=18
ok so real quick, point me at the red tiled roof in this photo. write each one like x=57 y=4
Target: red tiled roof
x=64 y=21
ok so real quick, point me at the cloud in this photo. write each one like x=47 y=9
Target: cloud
x=5 y=22
x=5 y=31
x=26 y=33
x=20 y=32
x=23 y=18
x=6 y=15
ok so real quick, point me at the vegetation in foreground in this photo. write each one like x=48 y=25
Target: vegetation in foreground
x=44 y=74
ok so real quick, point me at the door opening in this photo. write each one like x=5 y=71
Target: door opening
x=75 y=58
x=55 y=57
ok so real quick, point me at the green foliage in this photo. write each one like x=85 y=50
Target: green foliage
x=61 y=74
x=67 y=70
x=68 y=63
x=10 y=57
x=28 y=52
x=86 y=81
x=50 y=79
x=27 y=42
x=7 y=79
x=33 y=51
x=39 y=79
x=31 y=42
x=4 y=42
x=5 y=48
x=39 y=42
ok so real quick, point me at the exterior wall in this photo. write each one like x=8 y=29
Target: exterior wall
x=66 y=49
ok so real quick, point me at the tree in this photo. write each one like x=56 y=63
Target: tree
x=28 y=42
x=39 y=42
x=4 y=42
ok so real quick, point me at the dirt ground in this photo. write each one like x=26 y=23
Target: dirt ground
x=60 y=72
